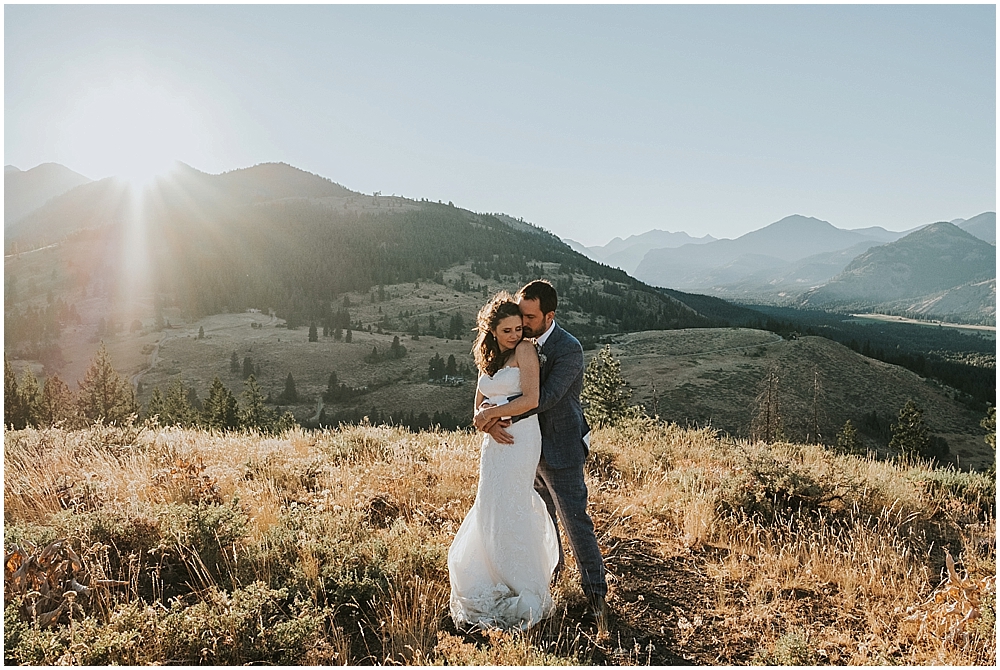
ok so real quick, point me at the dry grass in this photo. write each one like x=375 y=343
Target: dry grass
x=331 y=547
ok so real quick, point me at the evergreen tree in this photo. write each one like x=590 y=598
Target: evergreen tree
x=848 y=441
x=13 y=411
x=177 y=407
x=456 y=327
x=332 y=388
x=435 y=369
x=234 y=363
x=396 y=350
x=221 y=410
x=57 y=403
x=289 y=396
x=605 y=393
x=155 y=407
x=338 y=334
x=989 y=423
x=31 y=397
x=248 y=368
x=313 y=335
x=103 y=394
x=451 y=368
x=254 y=414
x=910 y=434
x=347 y=337
x=285 y=422
x=201 y=332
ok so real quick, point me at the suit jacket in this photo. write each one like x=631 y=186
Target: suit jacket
x=560 y=416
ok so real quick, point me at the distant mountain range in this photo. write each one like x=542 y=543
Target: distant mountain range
x=27 y=190
x=803 y=260
x=939 y=270
x=983 y=226
x=628 y=253
x=763 y=254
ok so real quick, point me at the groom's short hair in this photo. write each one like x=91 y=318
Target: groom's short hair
x=543 y=292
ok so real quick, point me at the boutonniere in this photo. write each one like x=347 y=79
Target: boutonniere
x=541 y=356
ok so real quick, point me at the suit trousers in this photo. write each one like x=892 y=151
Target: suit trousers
x=565 y=495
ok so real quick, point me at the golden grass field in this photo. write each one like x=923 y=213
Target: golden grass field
x=330 y=547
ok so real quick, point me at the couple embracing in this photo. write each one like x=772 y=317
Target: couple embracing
x=507 y=551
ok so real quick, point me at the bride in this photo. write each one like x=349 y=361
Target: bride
x=501 y=561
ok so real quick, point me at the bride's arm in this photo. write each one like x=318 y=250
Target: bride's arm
x=527 y=360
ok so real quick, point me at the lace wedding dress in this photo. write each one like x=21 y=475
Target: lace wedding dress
x=503 y=555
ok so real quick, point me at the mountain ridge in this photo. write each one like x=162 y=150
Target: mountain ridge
x=932 y=260
x=27 y=190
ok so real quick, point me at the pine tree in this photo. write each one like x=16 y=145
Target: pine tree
x=989 y=423
x=221 y=410
x=435 y=369
x=348 y=336
x=155 y=407
x=313 y=335
x=13 y=411
x=910 y=434
x=248 y=368
x=177 y=407
x=103 y=394
x=847 y=440
x=254 y=414
x=396 y=350
x=57 y=403
x=289 y=396
x=201 y=333
x=31 y=397
x=234 y=363
x=605 y=393
x=451 y=369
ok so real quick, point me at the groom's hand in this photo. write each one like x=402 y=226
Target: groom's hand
x=496 y=429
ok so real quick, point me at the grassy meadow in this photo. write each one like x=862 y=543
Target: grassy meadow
x=330 y=547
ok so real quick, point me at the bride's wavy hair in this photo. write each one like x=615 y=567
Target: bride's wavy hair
x=486 y=349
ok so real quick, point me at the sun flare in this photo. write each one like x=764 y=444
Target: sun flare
x=139 y=129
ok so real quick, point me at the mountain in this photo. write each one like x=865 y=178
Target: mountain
x=25 y=191
x=983 y=226
x=628 y=253
x=930 y=261
x=578 y=247
x=90 y=205
x=273 y=237
x=726 y=261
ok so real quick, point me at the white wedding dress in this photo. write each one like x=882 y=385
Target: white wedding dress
x=501 y=561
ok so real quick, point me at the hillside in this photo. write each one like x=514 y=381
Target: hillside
x=123 y=268
x=929 y=261
x=712 y=376
x=728 y=261
x=330 y=547
x=27 y=190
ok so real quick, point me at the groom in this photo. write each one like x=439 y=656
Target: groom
x=565 y=438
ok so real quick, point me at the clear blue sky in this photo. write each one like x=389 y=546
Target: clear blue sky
x=591 y=121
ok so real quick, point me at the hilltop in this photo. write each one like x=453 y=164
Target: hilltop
x=330 y=547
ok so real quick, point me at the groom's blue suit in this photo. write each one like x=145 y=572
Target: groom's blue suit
x=559 y=479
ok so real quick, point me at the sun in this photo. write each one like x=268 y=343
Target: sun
x=133 y=129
